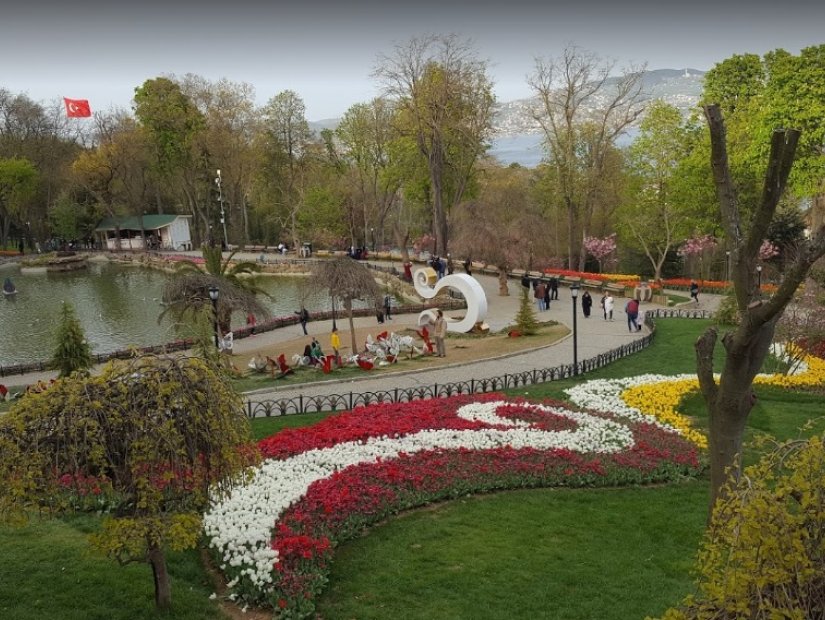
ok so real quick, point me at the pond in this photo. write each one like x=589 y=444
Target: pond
x=117 y=305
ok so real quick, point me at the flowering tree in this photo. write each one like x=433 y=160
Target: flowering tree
x=768 y=250
x=600 y=248
x=698 y=247
x=151 y=441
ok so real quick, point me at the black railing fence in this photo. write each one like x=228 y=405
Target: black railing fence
x=349 y=400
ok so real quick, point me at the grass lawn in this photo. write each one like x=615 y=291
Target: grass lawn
x=545 y=553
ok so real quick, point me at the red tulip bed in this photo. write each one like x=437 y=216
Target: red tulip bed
x=321 y=485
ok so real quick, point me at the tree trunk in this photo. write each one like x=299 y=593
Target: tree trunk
x=348 y=308
x=503 y=289
x=163 y=586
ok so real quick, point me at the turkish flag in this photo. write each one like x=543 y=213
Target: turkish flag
x=77 y=108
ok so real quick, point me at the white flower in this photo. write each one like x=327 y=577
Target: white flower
x=240 y=526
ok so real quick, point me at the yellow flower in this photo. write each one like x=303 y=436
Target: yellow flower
x=661 y=400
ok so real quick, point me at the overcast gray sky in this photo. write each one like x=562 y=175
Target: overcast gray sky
x=325 y=51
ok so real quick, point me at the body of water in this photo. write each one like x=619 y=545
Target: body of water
x=118 y=307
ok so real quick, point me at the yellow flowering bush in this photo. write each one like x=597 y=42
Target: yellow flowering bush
x=763 y=555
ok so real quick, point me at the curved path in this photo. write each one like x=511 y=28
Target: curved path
x=595 y=336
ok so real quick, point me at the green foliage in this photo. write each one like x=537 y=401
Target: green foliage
x=70 y=220
x=18 y=184
x=160 y=435
x=728 y=312
x=763 y=556
x=72 y=352
x=526 y=320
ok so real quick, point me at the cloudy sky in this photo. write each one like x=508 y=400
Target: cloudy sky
x=326 y=50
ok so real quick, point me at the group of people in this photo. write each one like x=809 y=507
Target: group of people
x=543 y=292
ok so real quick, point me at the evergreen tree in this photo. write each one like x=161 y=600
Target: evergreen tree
x=526 y=320
x=72 y=352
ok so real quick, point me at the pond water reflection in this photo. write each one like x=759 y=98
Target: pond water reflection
x=117 y=305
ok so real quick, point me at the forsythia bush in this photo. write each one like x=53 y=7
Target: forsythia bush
x=763 y=556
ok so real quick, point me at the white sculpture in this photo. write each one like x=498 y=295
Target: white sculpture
x=427 y=285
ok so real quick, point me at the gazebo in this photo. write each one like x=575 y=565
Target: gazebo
x=154 y=232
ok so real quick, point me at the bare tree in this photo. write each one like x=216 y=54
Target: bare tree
x=582 y=111
x=346 y=280
x=445 y=103
x=730 y=400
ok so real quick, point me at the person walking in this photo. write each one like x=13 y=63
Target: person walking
x=387 y=306
x=608 y=307
x=538 y=294
x=632 y=310
x=554 y=288
x=467 y=264
x=601 y=303
x=694 y=291
x=587 y=303
x=439 y=332
x=546 y=296
x=303 y=317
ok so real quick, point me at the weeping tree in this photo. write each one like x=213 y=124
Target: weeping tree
x=152 y=439
x=730 y=401
x=187 y=291
x=347 y=280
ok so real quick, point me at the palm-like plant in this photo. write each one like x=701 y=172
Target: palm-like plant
x=347 y=279
x=188 y=289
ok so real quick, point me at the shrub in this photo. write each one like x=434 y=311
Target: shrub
x=763 y=556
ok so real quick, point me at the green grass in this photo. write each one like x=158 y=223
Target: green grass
x=561 y=554
x=672 y=353
x=544 y=553
x=49 y=572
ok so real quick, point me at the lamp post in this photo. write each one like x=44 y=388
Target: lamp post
x=759 y=278
x=727 y=266
x=333 y=312
x=574 y=293
x=219 y=183
x=372 y=234
x=213 y=295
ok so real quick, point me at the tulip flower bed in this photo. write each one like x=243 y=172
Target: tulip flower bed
x=321 y=485
x=656 y=398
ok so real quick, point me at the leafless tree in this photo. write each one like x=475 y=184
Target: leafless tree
x=730 y=400
x=582 y=110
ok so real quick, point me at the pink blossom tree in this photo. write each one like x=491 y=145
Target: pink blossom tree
x=600 y=248
x=698 y=247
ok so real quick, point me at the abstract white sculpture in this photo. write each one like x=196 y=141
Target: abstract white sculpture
x=428 y=285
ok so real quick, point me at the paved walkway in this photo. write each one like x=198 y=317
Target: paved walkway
x=594 y=336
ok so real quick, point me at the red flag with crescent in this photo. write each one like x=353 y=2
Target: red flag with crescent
x=77 y=108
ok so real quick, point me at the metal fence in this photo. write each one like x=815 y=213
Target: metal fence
x=349 y=400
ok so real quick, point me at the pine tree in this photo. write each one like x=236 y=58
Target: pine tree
x=72 y=352
x=526 y=320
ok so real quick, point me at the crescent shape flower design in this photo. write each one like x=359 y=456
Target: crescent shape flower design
x=241 y=526
x=428 y=286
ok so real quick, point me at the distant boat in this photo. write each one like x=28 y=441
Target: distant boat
x=9 y=288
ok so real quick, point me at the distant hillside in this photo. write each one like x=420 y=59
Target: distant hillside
x=678 y=87
x=681 y=88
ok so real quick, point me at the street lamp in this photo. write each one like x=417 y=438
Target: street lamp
x=759 y=278
x=574 y=293
x=219 y=183
x=333 y=312
x=727 y=267
x=213 y=295
x=372 y=234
